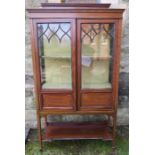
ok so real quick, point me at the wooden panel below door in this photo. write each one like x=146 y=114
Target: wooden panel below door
x=57 y=101
x=96 y=100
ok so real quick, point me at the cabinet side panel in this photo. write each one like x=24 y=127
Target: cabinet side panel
x=118 y=29
x=35 y=64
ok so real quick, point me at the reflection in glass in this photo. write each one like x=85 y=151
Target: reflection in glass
x=55 y=55
x=96 y=51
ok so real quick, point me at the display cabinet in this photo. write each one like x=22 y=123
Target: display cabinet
x=76 y=56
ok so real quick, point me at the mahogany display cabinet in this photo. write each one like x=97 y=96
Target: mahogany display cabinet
x=76 y=57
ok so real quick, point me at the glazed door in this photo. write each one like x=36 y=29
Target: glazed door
x=95 y=64
x=55 y=40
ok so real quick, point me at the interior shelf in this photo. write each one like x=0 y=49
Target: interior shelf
x=48 y=85
x=83 y=57
x=56 y=57
x=97 y=57
x=78 y=130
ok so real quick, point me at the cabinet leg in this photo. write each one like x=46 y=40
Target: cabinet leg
x=39 y=132
x=114 y=133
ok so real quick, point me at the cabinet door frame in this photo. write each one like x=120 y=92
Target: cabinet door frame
x=37 y=70
x=115 y=67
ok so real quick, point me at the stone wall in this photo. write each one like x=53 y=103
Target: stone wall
x=123 y=84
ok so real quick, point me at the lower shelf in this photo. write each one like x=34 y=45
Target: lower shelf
x=84 y=130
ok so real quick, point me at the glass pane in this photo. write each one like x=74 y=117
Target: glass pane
x=96 y=49
x=55 y=55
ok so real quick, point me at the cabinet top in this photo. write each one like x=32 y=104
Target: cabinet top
x=70 y=10
x=74 y=7
x=105 y=5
